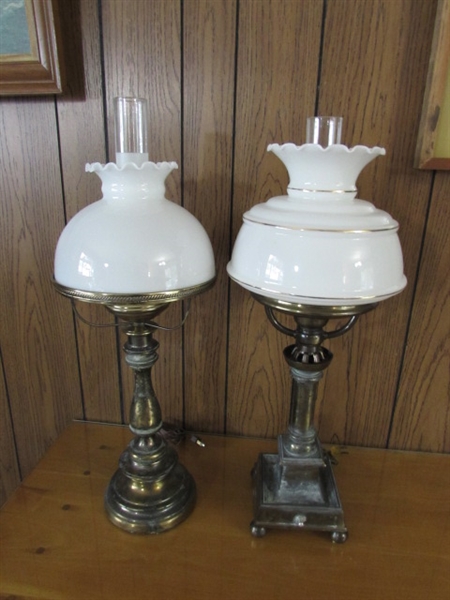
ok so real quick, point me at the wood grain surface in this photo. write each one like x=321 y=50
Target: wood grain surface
x=422 y=412
x=223 y=78
x=60 y=543
x=9 y=466
x=36 y=327
x=208 y=101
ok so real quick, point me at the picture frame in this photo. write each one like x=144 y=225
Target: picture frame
x=30 y=64
x=433 y=143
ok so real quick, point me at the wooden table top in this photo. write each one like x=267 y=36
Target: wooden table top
x=56 y=542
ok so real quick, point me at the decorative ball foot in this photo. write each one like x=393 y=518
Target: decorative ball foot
x=257 y=530
x=339 y=537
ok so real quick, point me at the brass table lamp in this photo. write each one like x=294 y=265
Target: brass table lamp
x=135 y=252
x=317 y=254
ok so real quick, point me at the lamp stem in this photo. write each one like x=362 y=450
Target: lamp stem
x=307 y=360
x=151 y=491
x=141 y=354
x=301 y=433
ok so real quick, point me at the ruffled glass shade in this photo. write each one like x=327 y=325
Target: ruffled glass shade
x=319 y=244
x=133 y=240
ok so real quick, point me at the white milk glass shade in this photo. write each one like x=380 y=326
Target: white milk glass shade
x=133 y=240
x=319 y=244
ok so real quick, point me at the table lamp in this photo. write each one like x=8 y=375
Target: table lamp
x=135 y=252
x=316 y=254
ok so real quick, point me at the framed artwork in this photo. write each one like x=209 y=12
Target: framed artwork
x=433 y=144
x=29 y=61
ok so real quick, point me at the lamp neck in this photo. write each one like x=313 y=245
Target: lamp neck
x=133 y=183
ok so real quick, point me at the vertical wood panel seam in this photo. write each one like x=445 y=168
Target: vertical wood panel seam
x=319 y=65
x=102 y=69
x=108 y=158
x=64 y=203
x=16 y=451
x=61 y=173
x=182 y=85
x=411 y=309
x=230 y=227
x=182 y=171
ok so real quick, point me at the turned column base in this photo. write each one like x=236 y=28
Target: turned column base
x=151 y=492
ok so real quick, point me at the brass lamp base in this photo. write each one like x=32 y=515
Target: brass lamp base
x=296 y=494
x=296 y=488
x=151 y=492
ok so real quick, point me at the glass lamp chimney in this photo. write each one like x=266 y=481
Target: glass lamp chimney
x=324 y=131
x=130 y=119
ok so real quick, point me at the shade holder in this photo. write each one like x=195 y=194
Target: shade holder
x=151 y=491
x=296 y=488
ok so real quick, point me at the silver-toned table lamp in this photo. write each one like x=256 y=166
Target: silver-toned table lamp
x=135 y=252
x=316 y=254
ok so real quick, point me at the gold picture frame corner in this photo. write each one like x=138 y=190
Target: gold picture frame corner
x=40 y=71
x=436 y=104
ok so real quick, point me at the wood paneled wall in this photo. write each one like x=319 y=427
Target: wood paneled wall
x=224 y=78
